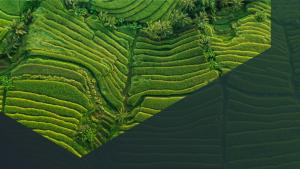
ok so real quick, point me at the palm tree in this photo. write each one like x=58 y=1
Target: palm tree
x=187 y=5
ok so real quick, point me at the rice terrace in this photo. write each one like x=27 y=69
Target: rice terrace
x=82 y=72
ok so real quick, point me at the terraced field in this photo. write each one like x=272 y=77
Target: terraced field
x=137 y=10
x=252 y=37
x=80 y=83
x=164 y=72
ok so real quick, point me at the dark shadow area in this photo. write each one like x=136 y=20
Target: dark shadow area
x=248 y=119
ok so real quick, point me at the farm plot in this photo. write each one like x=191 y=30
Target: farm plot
x=56 y=35
x=51 y=98
x=164 y=72
x=81 y=83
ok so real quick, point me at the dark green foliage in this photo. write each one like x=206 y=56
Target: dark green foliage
x=202 y=17
x=202 y=21
x=12 y=39
x=87 y=137
x=70 y=3
x=87 y=134
x=109 y=20
x=81 y=12
x=206 y=5
x=187 y=5
x=234 y=4
x=6 y=82
x=234 y=27
x=158 y=30
x=180 y=19
x=210 y=55
x=213 y=65
x=31 y=4
x=205 y=28
x=206 y=42
x=260 y=16
x=19 y=28
x=133 y=26
x=120 y=120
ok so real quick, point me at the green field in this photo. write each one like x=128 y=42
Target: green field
x=83 y=72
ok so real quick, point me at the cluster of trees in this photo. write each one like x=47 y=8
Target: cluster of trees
x=199 y=13
x=260 y=16
x=188 y=13
x=12 y=37
x=82 y=8
x=109 y=20
x=87 y=134
x=178 y=19
x=159 y=29
x=210 y=55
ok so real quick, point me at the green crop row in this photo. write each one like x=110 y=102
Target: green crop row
x=160 y=88
x=38 y=112
x=144 y=115
x=136 y=10
x=182 y=38
x=149 y=10
x=161 y=12
x=67 y=44
x=153 y=84
x=56 y=8
x=174 y=78
x=54 y=89
x=233 y=58
x=168 y=71
x=46 y=99
x=113 y=5
x=43 y=119
x=63 y=111
x=159 y=103
x=48 y=126
x=64 y=145
x=167 y=50
x=55 y=63
x=39 y=69
x=7 y=17
x=76 y=34
x=64 y=141
x=152 y=56
x=196 y=60
x=105 y=89
x=112 y=46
